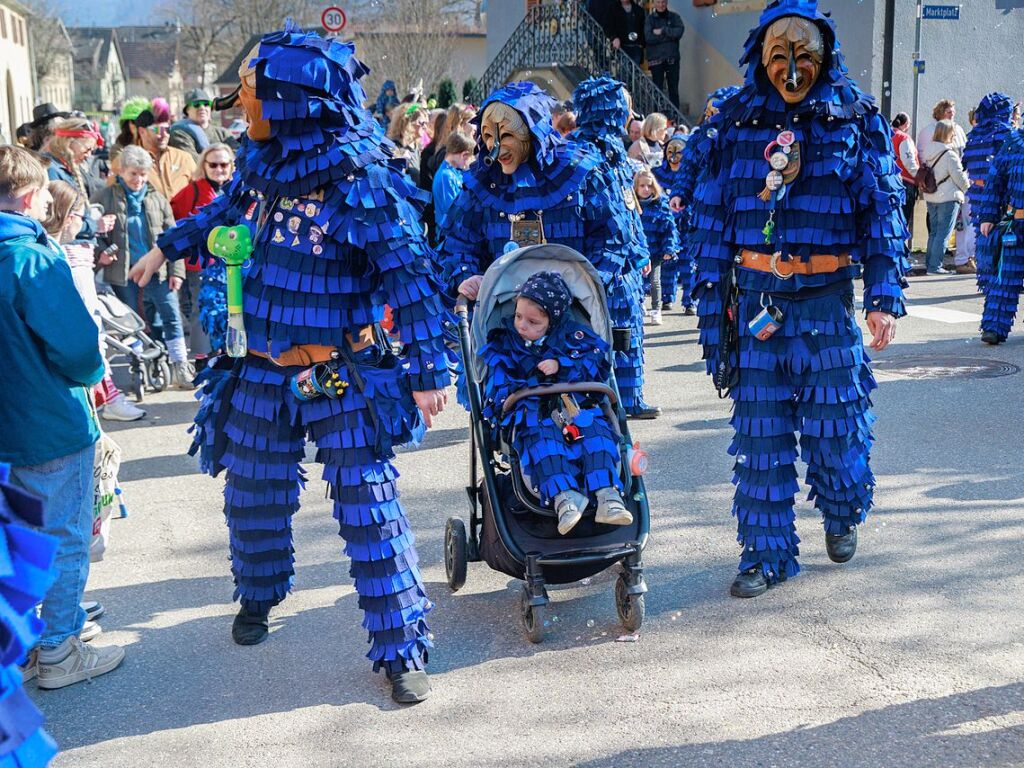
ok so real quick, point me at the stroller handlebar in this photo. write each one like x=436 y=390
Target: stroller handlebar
x=462 y=306
x=582 y=387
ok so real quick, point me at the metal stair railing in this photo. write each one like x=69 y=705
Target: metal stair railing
x=567 y=35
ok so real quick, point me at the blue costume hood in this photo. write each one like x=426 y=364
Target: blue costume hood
x=602 y=112
x=834 y=94
x=996 y=108
x=556 y=167
x=320 y=131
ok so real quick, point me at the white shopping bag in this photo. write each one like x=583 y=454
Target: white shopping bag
x=108 y=499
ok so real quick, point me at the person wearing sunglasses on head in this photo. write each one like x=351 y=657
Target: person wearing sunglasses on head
x=147 y=124
x=197 y=131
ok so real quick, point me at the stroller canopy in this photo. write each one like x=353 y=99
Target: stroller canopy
x=506 y=276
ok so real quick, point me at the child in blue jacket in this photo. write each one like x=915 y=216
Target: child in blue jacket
x=660 y=230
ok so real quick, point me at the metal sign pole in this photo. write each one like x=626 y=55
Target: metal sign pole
x=917 y=66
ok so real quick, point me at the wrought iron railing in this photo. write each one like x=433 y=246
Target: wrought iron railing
x=567 y=35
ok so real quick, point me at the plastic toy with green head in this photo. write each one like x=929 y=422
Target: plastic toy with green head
x=233 y=246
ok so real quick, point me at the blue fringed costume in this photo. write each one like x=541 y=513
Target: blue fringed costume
x=25 y=575
x=837 y=199
x=554 y=466
x=563 y=191
x=662 y=234
x=337 y=235
x=1001 y=204
x=671 y=175
x=602 y=113
x=992 y=127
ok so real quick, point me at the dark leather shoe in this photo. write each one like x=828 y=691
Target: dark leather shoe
x=666 y=306
x=690 y=311
x=991 y=337
x=250 y=627
x=749 y=584
x=841 y=548
x=410 y=686
x=645 y=413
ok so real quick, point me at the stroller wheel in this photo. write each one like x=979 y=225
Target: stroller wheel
x=138 y=382
x=159 y=374
x=456 y=553
x=629 y=607
x=533 y=618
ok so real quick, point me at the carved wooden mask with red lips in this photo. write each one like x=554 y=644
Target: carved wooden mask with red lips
x=792 y=55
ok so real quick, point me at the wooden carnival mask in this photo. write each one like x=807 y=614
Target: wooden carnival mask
x=506 y=136
x=674 y=152
x=259 y=129
x=792 y=56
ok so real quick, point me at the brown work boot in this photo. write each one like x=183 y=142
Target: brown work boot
x=970 y=267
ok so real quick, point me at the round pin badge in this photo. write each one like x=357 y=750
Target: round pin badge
x=786 y=138
x=510 y=246
x=774 y=181
x=778 y=160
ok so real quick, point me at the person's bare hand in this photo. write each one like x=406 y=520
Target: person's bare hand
x=676 y=204
x=430 y=402
x=174 y=283
x=106 y=224
x=548 y=367
x=646 y=270
x=883 y=329
x=107 y=258
x=470 y=287
x=657 y=31
x=144 y=269
x=667 y=257
x=987 y=227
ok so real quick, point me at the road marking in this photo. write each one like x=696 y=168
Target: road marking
x=940 y=315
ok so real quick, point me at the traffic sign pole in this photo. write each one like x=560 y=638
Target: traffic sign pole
x=918 y=67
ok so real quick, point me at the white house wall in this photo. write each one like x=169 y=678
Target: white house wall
x=16 y=88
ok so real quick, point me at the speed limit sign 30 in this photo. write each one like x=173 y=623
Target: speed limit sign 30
x=333 y=19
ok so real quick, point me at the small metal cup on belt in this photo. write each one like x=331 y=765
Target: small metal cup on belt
x=767 y=322
x=320 y=379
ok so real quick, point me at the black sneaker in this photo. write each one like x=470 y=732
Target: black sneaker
x=411 y=686
x=645 y=413
x=251 y=626
x=749 y=584
x=666 y=306
x=690 y=311
x=991 y=338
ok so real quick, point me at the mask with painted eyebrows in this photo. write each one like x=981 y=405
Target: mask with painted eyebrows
x=259 y=129
x=792 y=55
x=506 y=136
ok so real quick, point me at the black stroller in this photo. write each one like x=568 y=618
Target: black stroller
x=509 y=528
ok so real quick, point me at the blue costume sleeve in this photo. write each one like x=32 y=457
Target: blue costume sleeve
x=660 y=229
x=504 y=374
x=882 y=230
x=446 y=188
x=408 y=283
x=187 y=239
x=582 y=355
x=993 y=199
x=712 y=251
x=606 y=238
x=462 y=251
x=689 y=169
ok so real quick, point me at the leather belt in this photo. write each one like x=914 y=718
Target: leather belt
x=979 y=182
x=817 y=264
x=1018 y=213
x=311 y=354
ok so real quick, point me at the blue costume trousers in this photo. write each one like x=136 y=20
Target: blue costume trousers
x=669 y=281
x=626 y=307
x=984 y=253
x=810 y=378
x=553 y=465
x=266 y=428
x=1004 y=287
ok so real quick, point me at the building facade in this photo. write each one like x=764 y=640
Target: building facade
x=16 y=78
x=877 y=38
x=54 y=60
x=100 y=78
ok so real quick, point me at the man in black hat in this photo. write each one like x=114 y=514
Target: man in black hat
x=197 y=132
x=44 y=117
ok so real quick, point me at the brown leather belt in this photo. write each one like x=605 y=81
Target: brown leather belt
x=311 y=354
x=817 y=264
x=979 y=182
x=1018 y=213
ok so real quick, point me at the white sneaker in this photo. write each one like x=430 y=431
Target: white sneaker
x=656 y=317
x=31 y=667
x=182 y=374
x=569 y=506
x=79 y=662
x=90 y=631
x=121 y=409
x=610 y=508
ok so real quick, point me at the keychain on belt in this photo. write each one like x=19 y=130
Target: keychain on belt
x=768 y=320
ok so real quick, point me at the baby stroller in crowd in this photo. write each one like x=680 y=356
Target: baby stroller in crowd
x=124 y=333
x=509 y=528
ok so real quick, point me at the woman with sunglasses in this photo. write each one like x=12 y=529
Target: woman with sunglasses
x=197 y=132
x=147 y=124
x=204 y=305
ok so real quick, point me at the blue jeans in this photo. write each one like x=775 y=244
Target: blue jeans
x=157 y=299
x=941 y=219
x=66 y=483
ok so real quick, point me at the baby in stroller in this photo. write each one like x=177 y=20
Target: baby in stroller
x=567 y=447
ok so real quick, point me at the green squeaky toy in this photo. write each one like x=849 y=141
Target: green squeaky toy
x=233 y=246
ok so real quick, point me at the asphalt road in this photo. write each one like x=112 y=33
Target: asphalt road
x=910 y=655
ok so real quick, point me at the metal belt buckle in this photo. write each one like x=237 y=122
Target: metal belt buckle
x=774 y=266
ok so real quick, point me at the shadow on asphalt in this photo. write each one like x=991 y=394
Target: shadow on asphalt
x=920 y=733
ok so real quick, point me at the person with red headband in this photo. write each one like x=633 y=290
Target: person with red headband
x=74 y=140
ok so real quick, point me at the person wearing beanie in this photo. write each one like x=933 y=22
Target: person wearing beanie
x=568 y=449
x=147 y=124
